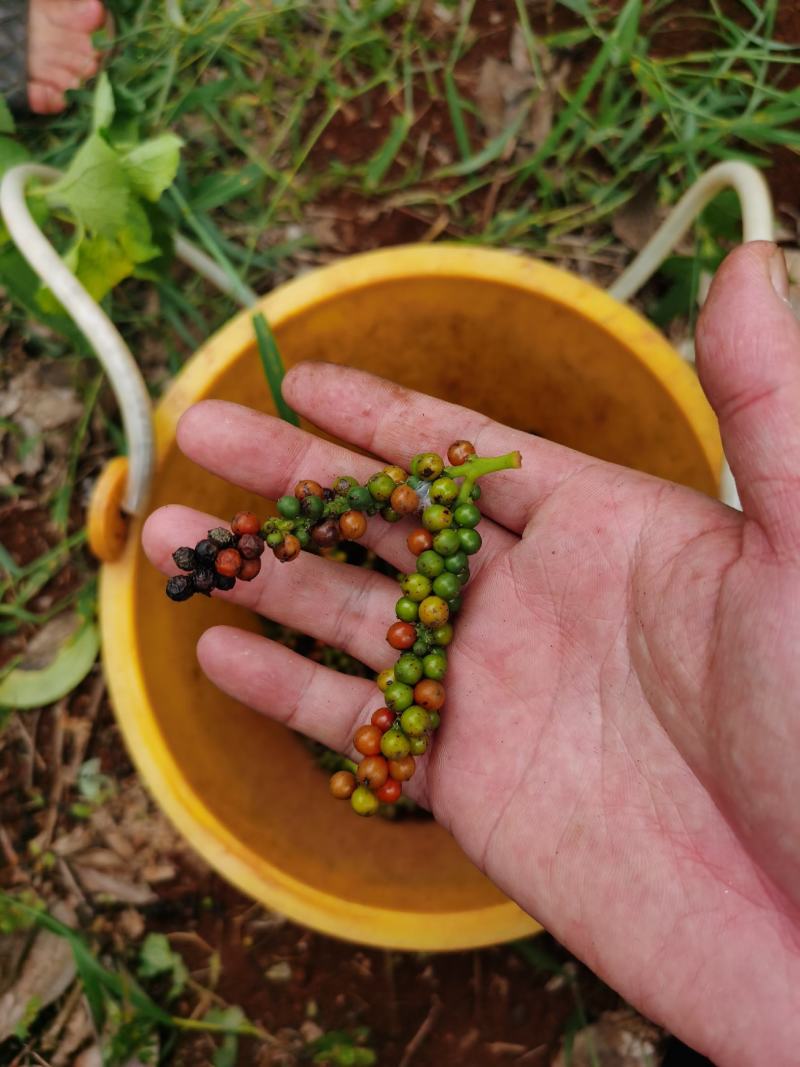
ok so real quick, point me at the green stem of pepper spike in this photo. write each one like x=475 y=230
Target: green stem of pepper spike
x=476 y=468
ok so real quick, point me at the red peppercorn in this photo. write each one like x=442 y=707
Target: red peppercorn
x=401 y=635
x=342 y=785
x=419 y=541
x=389 y=792
x=402 y=769
x=367 y=740
x=429 y=694
x=352 y=525
x=251 y=546
x=245 y=522
x=250 y=569
x=307 y=488
x=383 y=719
x=459 y=452
x=228 y=562
x=373 y=771
x=288 y=549
x=404 y=500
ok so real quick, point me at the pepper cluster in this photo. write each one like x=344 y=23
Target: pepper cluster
x=319 y=519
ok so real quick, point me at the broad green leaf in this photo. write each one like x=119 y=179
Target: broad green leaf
x=136 y=236
x=94 y=188
x=11 y=153
x=151 y=167
x=23 y=688
x=157 y=958
x=103 y=105
x=99 y=263
x=233 y=1017
x=6 y=118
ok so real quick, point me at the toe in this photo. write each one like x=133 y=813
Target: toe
x=45 y=99
x=83 y=16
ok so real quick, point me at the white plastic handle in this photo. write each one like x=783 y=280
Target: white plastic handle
x=114 y=355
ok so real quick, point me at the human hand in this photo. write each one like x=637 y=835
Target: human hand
x=619 y=745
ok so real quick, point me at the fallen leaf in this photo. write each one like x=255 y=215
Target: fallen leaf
x=47 y=972
x=638 y=219
x=117 y=886
x=500 y=92
x=618 y=1039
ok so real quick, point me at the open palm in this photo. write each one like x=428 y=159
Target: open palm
x=619 y=744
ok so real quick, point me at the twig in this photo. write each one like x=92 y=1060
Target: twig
x=421 y=1035
x=44 y=838
x=31 y=755
x=11 y=858
x=70 y=1005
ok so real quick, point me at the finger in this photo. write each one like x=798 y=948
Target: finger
x=268 y=456
x=293 y=690
x=397 y=423
x=748 y=348
x=302 y=695
x=348 y=607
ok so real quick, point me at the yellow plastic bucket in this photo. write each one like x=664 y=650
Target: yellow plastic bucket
x=531 y=346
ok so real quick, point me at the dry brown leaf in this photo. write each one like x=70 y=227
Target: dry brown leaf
x=46 y=972
x=116 y=885
x=618 y=1039
x=638 y=219
x=500 y=92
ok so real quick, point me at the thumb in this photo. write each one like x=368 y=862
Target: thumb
x=748 y=358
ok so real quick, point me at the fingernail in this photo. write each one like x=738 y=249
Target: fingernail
x=778 y=274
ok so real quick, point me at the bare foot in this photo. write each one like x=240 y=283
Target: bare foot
x=60 y=52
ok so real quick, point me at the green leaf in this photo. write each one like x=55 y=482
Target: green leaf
x=94 y=188
x=99 y=263
x=233 y=1017
x=151 y=167
x=11 y=153
x=103 y=106
x=6 y=118
x=93 y=785
x=23 y=688
x=385 y=156
x=157 y=958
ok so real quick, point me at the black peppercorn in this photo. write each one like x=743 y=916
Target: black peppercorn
x=185 y=558
x=180 y=587
x=206 y=551
x=222 y=581
x=222 y=537
x=204 y=579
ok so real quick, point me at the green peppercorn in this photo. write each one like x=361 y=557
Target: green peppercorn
x=388 y=514
x=312 y=507
x=406 y=609
x=430 y=563
x=303 y=536
x=470 y=540
x=289 y=507
x=274 y=539
x=381 y=486
x=414 y=721
x=467 y=515
x=434 y=719
x=408 y=669
x=458 y=561
x=475 y=492
x=420 y=647
x=428 y=466
x=444 y=491
x=443 y=634
x=446 y=542
x=395 y=744
x=446 y=585
x=434 y=665
x=416 y=586
x=454 y=604
x=364 y=801
x=398 y=696
x=343 y=484
x=360 y=498
x=437 y=517
x=418 y=746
